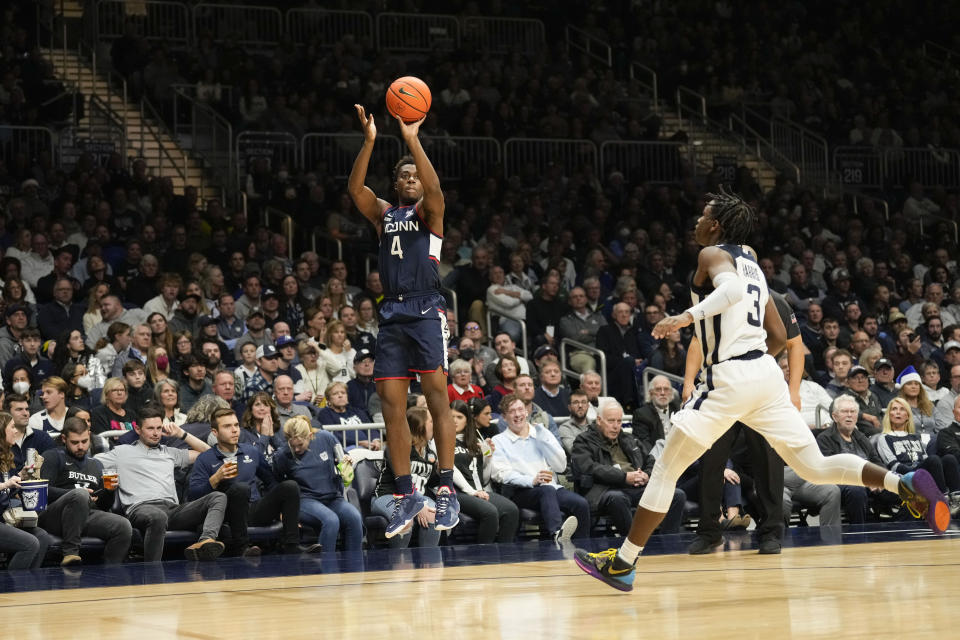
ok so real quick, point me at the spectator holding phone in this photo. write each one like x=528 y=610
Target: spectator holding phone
x=908 y=350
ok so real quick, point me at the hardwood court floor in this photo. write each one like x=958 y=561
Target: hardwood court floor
x=883 y=590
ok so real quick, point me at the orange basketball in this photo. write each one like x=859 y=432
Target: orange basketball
x=409 y=98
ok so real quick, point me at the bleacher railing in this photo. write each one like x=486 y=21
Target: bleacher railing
x=326 y=28
x=859 y=167
x=646 y=78
x=33 y=141
x=246 y=25
x=205 y=95
x=752 y=127
x=691 y=106
x=867 y=167
x=589 y=44
x=523 y=331
x=208 y=135
x=278 y=147
x=939 y=54
x=503 y=35
x=645 y=161
x=649 y=373
x=334 y=153
x=459 y=157
x=154 y=20
x=804 y=148
x=417 y=32
x=548 y=157
x=566 y=344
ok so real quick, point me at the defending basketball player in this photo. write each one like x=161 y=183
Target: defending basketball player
x=413 y=332
x=737 y=325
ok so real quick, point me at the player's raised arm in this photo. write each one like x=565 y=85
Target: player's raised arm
x=364 y=198
x=429 y=180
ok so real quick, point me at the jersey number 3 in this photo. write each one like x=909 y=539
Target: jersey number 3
x=395 y=248
x=753 y=319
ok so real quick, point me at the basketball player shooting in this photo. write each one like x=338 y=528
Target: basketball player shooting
x=737 y=325
x=413 y=332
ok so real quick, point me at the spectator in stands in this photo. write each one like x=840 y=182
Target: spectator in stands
x=233 y=468
x=287 y=348
x=78 y=502
x=62 y=264
x=339 y=411
x=930 y=379
x=884 y=385
x=902 y=449
x=185 y=317
x=461 y=388
x=579 y=421
x=18 y=433
x=139 y=391
x=229 y=327
x=506 y=370
x=839 y=295
x=148 y=494
x=112 y=414
x=166 y=395
x=111 y=310
x=251 y=296
x=40 y=368
x=362 y=389
x=506 y=346
x=582 y=325
x=497 y=517
x=261 y=423
x=626 y=347
x=525 y=459
x=612 y=468
x=651 y=422
x=425 y=476
x=470 y=282
x=39 y=262
x=17 y=321
x=311 y=459
x=339 y=354
x=62 y=313
x=267 y=360
x=25 y=548
x=50 y=419
x=158 y=365
x=544 y=312
x=551 y=395
x=257 y=332
x=118 y=339
x=283 y=393
x=911 y=390
x=506 y=301
x=844 y=436
x=71 y=349
x=160 y=330
x=79 y=384
x=137 y=350
x=142 y=286
x=813 y=397
x=932 y=300
x=858 y=386
x=314 y=376
x=943 y=410
x=196 y=383
x=669 y=354
x=842 y=362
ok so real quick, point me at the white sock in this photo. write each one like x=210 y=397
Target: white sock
x=629 y=552
x=891 y=482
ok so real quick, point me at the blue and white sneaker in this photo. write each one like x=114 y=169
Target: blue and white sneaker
x=405 y=509
x=448 y=509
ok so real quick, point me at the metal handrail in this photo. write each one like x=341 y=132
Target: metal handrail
x=583 y=347
x=857 y=197
x=682 y=108
x=586 y=47
x=286 y=223
x=806 y=134
x=946 y=54
x=762 y=143
x=940 y=219
x=318 y=231
x=652 y=87
x=227 y=180
x=650 y=372
x=150 y=118
x=523 y=329
x=453 y=297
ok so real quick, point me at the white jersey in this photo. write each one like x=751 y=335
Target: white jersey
x=739 y=329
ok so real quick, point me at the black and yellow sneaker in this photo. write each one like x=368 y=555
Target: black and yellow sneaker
x=923 y=499
x=606 y=566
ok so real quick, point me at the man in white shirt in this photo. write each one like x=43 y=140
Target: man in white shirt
x=111 y=310
x=526 y=459
x=37 y=263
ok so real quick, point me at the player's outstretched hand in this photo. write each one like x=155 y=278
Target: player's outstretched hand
x=670 y=324
x=366 y=123
x=409 y=130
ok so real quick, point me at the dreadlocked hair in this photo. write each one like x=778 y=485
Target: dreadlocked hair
x=735 y=216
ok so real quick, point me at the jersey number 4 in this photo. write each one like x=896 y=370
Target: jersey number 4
x=395 y=248
x=754 y=318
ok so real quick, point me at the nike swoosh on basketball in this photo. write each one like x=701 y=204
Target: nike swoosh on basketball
x=402 y=91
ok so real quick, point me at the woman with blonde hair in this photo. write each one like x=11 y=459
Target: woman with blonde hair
x=213 y=282
x=911 y=390
x=112 y=415
x=367 y=316
x=25 y=548
x=903 y=450
x=336 y=292
x=314 y=376
x=311 y=459
x=338 y=356
x=340 y=412
x=93 y=316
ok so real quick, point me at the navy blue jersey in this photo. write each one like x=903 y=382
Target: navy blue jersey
x=409 y=253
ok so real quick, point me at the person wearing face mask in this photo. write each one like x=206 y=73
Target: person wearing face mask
x=70 y=349
x=79 y=386
x=50 y=419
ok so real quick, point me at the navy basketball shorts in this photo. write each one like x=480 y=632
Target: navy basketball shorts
x=412 y=339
